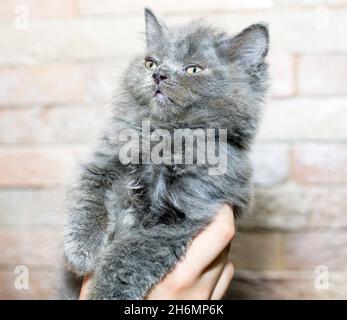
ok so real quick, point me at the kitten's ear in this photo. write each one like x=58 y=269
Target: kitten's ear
x=155 y=30
x=250 y=46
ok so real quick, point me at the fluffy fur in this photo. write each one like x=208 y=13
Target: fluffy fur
x=129 y=224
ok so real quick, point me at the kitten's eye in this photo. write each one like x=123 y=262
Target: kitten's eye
x=150 y=64
x=193 y=69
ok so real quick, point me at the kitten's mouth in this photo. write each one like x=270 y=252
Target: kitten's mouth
x=158 y=93
x=162 y=97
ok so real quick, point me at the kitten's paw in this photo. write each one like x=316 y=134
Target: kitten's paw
x=80 y=261
x=113 y=283
x=106 y=292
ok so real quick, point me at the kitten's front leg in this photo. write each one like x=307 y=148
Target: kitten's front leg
x=85 y=229
x=131 y=266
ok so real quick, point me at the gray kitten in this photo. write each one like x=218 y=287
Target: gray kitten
x=129 y=224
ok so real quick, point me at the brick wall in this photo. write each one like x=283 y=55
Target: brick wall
x=57 y=72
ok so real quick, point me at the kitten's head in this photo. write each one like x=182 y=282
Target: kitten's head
x=198 y=69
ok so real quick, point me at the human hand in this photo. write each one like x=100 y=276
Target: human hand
x=204 y=272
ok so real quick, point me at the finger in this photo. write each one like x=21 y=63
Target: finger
x=208 y=245
x=84 y=287
x=188 y=271
x=223 y=282
x=202 y=287
x=213 y=272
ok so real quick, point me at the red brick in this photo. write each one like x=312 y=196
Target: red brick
x=304 y=118
x=37 y=246
x=296 y=208
x=102 y=81
x=271 y=163
x=322 y=75
x=38 y=8
x=307 y=250
x=93 y=39
x=310 y=3
x=35 y=167
x=281 y=75
x=32 y=207
x=329 y=209
x=45 y=124
x=320 y=163
x=90 y=7
x=282 y=208
x=258 y=251
x=294 y=251
x=284 y=285
x=47 y=83
x=42 y=284
x=54 y=40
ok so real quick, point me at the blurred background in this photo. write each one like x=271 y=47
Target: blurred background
x=60 y=62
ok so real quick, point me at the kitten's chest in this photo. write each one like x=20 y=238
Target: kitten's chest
x=152 y=181
x=149 y=190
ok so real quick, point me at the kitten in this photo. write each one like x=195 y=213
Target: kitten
x=129 y=223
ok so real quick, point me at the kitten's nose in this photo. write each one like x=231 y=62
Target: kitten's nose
x=159 y=76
